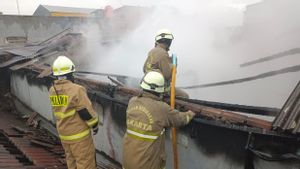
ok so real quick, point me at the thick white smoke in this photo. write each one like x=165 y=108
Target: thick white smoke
x=211 y=41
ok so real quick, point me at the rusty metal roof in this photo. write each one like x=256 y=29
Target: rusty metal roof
x=208 y=113
x=288 y=119
x=24 y=145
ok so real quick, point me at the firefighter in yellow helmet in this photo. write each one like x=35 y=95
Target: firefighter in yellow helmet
x=75 y=117
x=159 y=60
x=147 y=118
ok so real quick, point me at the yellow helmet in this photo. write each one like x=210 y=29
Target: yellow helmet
x=62 y=65
x=164 y=34
x=153 y=81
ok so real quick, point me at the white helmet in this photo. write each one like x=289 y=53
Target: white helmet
x=164 y=34
x=153 y=81
x=62 y=65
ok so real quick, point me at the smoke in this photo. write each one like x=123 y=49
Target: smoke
x=194 y=25
x=212 y=40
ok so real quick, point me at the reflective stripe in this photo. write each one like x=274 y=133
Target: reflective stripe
x=65 y=68
x=145 y=136
x=61 y=69
x=92 y=121
x=75 y=136
x=187 y=118
x=63 y=115
x=142 y=135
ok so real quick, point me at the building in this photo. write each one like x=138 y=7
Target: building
x=46 y=10
x=122 y=20
x=132 y=14
x=106 y=12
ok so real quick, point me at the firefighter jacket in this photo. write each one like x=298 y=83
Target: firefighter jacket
x=144 y=141
x=159 y=60
x=73 y=111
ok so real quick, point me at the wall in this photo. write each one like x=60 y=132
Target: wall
x=37 y=28
x=34 y=96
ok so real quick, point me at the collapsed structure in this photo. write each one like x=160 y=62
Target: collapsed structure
x=221 y=136
x=248 y=140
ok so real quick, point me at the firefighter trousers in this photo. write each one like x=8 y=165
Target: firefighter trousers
x=80 y=155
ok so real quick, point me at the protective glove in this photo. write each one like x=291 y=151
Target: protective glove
x=95 y=130
x=190 y=115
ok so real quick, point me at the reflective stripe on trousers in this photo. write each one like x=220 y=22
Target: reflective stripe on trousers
x=75 y=136
x=144 y=135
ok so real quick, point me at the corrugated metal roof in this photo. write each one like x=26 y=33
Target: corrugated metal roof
x=288 y=119
x=17 y=54
x=2 y=53
x=12 y=60
x=28 y=51
x=68 y=9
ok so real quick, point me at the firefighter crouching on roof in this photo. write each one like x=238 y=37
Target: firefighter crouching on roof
x=147 y=117
x=158 y=59
x=75 y=116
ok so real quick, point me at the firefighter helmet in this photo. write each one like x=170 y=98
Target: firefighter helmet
x=62 y=65
x=153 y=81
x=164 y=34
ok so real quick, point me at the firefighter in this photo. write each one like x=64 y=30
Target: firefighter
x=75 y=117
x=147 y=118
x=159 y=60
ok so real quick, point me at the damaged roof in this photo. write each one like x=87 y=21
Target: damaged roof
x=288 y=119
x=209 y=112
x=16 y=54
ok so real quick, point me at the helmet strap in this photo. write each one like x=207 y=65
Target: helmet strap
x=62 y=77
x=68 y=76
x=164 y=43
x=152 y=92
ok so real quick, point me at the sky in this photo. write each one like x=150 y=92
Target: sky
x=27 y=7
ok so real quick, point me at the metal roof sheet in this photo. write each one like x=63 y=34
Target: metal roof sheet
x=289 y=117
x=68 y=9
x=28 y=51
x=17 y=54
x=12 y=60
